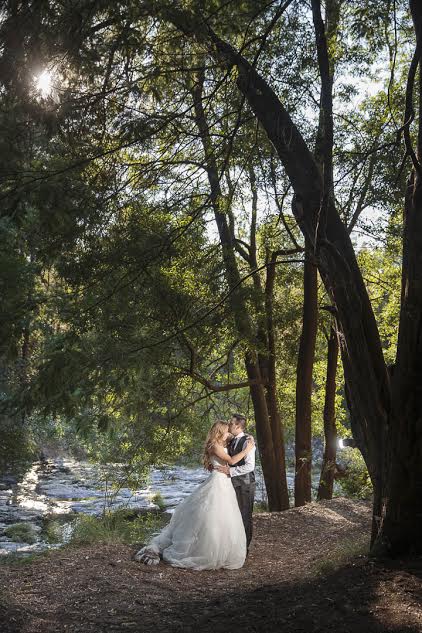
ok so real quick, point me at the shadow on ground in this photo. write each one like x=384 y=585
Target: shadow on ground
x=295 y=580
x=361 y=597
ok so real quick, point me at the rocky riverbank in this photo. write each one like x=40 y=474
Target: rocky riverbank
x=57 y=490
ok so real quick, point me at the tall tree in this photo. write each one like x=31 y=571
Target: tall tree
x=259 y=356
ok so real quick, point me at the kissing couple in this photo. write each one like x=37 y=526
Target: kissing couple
x=212 y=527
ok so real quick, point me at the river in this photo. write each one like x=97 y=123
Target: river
x=61 y=488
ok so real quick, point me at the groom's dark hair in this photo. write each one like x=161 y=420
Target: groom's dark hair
x=240 y=420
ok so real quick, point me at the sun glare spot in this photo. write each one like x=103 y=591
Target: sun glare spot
x=44 y=83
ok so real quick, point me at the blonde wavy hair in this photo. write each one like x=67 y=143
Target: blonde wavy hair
x=215 y=435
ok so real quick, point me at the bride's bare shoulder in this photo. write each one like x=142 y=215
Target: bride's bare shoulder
x=218 y=449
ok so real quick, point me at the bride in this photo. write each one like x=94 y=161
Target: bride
x=206 y=530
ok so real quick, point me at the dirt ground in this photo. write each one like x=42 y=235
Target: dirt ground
x=305 y=573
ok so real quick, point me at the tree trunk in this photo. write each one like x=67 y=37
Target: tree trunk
x=23 y=369
x=271 y=390
x=305 y=363
x=400 y=529
x=273 y=471
x=325 y=490
x=25 y=357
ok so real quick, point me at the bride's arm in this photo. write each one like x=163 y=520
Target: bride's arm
x=219 y=451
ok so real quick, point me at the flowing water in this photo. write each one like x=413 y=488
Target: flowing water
x=62 y=488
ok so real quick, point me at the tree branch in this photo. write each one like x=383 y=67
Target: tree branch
x=220 y=388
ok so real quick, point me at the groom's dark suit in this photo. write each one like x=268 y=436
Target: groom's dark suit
x=243 y=480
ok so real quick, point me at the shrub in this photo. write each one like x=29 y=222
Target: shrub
x=260 y=506
x=356 y=482
x=21 y=533
x=115 y=527
x=53 y=531
x=157 y=498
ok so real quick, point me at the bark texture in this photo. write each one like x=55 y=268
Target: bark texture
x=305 y=364
x=325 y=489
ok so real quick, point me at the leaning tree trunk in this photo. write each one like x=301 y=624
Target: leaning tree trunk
x=305 y=363
x=325 y=489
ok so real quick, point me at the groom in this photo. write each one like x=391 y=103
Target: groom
x=243 y=474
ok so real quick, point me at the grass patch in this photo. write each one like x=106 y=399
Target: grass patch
x=340 y=555
x=260 y=506
x=115 y=527
x=14 y=558
x=158 y=500
x=21 y=533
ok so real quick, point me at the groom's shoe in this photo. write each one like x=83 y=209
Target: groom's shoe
x=147 y=556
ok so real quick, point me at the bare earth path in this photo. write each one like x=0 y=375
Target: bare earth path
x=296 y=578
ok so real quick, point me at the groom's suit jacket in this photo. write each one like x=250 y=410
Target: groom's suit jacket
x=244 y=470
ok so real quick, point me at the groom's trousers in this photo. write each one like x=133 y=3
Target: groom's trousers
x=245 y=493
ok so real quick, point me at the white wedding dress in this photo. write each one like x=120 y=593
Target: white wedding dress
x=206 y=530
